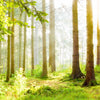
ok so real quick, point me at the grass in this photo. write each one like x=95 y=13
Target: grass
x=58 y=86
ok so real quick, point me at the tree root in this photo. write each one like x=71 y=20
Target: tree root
x=77 y=76
x=89 y=83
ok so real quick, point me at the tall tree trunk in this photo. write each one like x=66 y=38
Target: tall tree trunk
x=8 y=54
x=98 y=37
x=12 y=43
x=24 y=53
x=36 y=44
x=52 y=37
x=32 y=45
x=20 y=42
x=90 y=76
x=44 y=71
x=0 y=53
x=76 y=72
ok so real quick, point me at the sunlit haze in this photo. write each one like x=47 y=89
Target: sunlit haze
x=64 y=26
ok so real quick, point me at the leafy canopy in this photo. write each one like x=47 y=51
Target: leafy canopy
x=24 y=6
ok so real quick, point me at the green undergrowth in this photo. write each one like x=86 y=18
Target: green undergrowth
x=37 y=72
x=42 y=91
x=58 y=86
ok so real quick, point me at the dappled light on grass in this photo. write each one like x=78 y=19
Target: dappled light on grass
x=60 y=74
x=15 y=89
x=57 y=86
x=56 y=75
x=20 y=82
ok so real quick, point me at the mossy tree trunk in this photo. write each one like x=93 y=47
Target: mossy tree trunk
x=90 y=75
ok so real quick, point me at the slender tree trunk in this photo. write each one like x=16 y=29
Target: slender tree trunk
x=24 y=53
x=12 y=43
x=0 y=53
x=20 y=42
x=98 y=37
x=52 y=37
x=76 y=72
x=32 y=45
x=8 y=54
x=44 y=71
x=90 y=75
x=4 y=56
x=36 y=44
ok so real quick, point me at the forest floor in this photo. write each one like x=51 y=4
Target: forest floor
x=58 y=86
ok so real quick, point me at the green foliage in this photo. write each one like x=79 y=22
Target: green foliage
x=25 y=6
x=42 y=90
x=63 y=93
x=20 y=83
x=2 y=89
x=15 y=88
x=83 y=67
x=6 y=21
x=37 y=71
x=45 y=91
x=97 y=69
x=58 y=86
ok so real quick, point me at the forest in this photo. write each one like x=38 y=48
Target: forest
x=49 y=50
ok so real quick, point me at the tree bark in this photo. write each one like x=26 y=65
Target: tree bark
x=12 y=43
x=98 y=37
x=76 y=72
x=24 y=53
x=8 y=54
x=36 y=44
x=90 y=75
x=32 y=45
x=20 y=42
x=52 y=37
x=44 y=70
x=0 y=54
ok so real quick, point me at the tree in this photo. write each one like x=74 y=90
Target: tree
x=0 y=52
x=90 y=75
x=32 y=44
x=76 y=72
x=8 y=54
x=12 y=42
x=98 y=37
x=36 y=44
x=44 y=71
x=24 y=53
x=52 y=37
x=20 y=42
